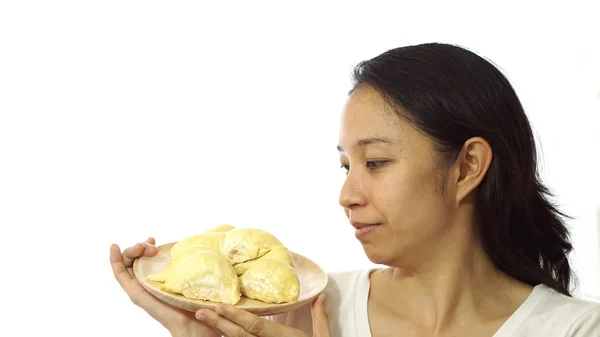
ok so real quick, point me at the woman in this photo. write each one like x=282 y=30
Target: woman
x=442 y=187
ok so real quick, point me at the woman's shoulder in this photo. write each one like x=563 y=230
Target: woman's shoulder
x=557 y=302
x=347 y=278
x=562 y=315
x=346 y=285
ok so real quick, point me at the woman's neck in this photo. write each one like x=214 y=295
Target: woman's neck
x=457 y=287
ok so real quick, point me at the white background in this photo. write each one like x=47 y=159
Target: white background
x=124 y=119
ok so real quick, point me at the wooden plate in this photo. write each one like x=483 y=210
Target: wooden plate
x=312 y=282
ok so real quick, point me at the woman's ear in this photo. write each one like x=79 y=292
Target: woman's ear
x=471 y=166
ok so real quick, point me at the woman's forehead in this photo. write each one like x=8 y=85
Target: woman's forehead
x=367 y=117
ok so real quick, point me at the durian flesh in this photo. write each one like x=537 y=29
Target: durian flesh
x=204 y=275
x=165 y=273
x=244 y=244
x=270 y=281
x=211 y=240
x=280 y=253
x=224 y=263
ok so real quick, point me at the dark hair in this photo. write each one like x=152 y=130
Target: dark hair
x=451 y=94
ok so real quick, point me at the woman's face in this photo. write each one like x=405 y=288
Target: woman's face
x=391 y=182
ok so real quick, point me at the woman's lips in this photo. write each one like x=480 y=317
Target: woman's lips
x=363 y=229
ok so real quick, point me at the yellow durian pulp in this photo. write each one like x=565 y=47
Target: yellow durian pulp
x=280 y=253
x=205 y=275
x=163 y=275
x=270 y=281
x=244 y=244
x=225 y=263
x=211 y=240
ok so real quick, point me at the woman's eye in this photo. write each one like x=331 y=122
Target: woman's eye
x=375 y=164
x=370 y=164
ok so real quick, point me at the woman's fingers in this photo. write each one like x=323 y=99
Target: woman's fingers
x=221 y=324
x=121 y=265
x=253 y=324
x=319 y=317
x=120 y=270
x=234 y=322
x=145 y=248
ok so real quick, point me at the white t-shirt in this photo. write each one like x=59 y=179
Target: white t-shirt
x=545 y=313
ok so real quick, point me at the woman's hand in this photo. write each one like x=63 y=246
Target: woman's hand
x=234 y=322
x=178 y=322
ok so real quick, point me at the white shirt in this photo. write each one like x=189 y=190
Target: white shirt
x=545 y=313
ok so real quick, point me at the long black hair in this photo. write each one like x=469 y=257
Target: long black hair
x=452 y=94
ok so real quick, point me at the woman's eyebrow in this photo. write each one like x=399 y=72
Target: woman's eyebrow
x=368 y=141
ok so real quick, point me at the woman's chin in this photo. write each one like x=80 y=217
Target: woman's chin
x=377 y=256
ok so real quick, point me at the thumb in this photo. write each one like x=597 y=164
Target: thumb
x=320 y=321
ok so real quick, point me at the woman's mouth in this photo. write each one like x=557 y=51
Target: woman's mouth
x=363 y=229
